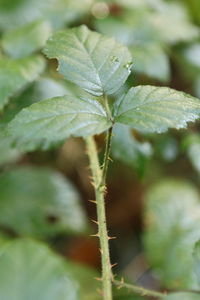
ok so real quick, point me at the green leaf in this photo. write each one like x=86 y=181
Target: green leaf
x=16 y=13
x=94 y=62
x=85 y=277
x=51 y=121
x=132 y=28
x=192 y=145
x=182 y=296
x=172 y=217
x=196 y=255
x=166 y=147
x=128 y=150
x=192 y=54
x=155 y=109
x=8 y=153
x=43 y=88
x=3 y=239
x=197 y=86
x=172 y=23
x=25 y=40
x=151 y=60
x=58 y=12
x=36 y=272
x=43 y=203
x=64 y=12
x=16 y=74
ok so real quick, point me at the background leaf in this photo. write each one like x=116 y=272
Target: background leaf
x=16 y=74
x=182 y=296
x=96 y=63
x=43 y=203
x=150 y=59
x=192 y=146
x=172 y=228
x=155 y=109
x=36 y=273
x=58 y=12
x=25 y=40
x=196 y=255
x=127 y=149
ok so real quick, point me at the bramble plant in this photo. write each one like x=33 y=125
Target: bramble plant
x=99 y=66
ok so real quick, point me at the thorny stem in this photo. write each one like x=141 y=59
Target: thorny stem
x=99 y=182
x=99 y=178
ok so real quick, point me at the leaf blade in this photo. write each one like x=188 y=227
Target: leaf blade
x=51 y=121
x=155 y=109
x=96 y=63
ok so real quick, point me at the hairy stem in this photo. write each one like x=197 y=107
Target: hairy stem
x=99 y=178
x=138 y=290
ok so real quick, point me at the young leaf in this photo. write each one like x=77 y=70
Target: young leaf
x=16 y=74
x=51 y=121
x=25 y=40
x=43 y=203
x=155 y=109
x=172 y=217
x=94 y=62
x=36 y=272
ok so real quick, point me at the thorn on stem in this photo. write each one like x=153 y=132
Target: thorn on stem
x=113 y=265
x=96 y=222
x=95 y=235
x=111 y=237
x=98 y=278
x=93 y=201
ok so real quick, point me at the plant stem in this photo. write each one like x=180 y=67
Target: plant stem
x=106 y=156
x=99 y=177
x=138 y=290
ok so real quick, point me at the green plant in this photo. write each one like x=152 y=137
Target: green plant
x=100 y=66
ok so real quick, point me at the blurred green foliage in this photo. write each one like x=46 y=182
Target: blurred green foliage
x=37 y=201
